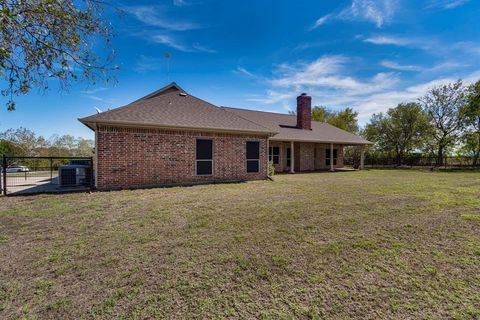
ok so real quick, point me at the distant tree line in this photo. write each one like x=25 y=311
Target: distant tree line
x=24 y=142
x=445 y=121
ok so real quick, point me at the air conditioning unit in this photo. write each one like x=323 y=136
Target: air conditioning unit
x=72 y=175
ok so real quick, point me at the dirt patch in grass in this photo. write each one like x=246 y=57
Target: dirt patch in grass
x=363 y=245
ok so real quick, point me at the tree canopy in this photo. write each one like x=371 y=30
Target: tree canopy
x=471 y=137
x=401 y=130
x=345 y=119
x=444 y=105
x=24 y=142
x=51 y=39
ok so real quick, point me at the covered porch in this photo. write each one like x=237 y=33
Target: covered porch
x=300 y=156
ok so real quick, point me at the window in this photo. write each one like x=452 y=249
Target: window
x=289 y=157
x=274 y=155
x=204 y=157
x=253 y=156
x=327 y=157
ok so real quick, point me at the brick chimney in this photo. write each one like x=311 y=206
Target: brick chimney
x=304 y=112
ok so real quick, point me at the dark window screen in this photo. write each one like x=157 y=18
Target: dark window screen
x=204 y=149
x=327 y=157
x=327 y=153
x=253 y=156
x=252 y=166
x=204 y=167
x=274 y=155
x=204 y=157
x=253 y=150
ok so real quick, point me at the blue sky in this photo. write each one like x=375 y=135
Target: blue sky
x=365 y=54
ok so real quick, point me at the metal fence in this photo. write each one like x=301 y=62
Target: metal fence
x=27 y=175
x=414 y=161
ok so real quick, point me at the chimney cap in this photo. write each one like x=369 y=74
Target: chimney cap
x=303 y=94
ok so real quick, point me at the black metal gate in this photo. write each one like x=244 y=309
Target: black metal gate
x=27 y=175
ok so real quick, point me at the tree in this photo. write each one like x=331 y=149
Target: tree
x=25 y=141
x=54 y=39
x=7 y=148
x=321 y=114
x=400 y=131
x=445 y=107
x=85 y=148
x=471 y=138
x=345 y=119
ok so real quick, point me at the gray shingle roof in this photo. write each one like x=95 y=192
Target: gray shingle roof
x=285 y=125
x=171 y=107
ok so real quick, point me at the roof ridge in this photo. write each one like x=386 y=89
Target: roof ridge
x=282 y=114
x=144 y=97
x=231 y=113
x=243 y=118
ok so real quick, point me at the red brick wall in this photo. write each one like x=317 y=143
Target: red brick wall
x=130 y=157
x=320 y=161
x=304 y=112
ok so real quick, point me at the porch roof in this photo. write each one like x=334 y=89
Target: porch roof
x=285 y=125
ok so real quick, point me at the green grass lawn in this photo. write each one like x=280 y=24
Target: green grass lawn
x=364 y=245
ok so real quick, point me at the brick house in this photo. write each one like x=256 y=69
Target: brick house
x=170 y=137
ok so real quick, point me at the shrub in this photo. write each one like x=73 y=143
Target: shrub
x=271 y=169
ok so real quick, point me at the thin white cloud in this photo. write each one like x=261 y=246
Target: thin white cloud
x=446 y=4
x=156 y=17
x=170 y=41
x=397 y=66
x=390 y=40
x=145 y=64
x=379 y=12
x=243 y=71
x=183 y=3
x=273 y=96
x=200 y=48
x=328 y=72
x=428 y=44
x=174 y=43
x=93 y=90
x=179 y=3
x=322 y=20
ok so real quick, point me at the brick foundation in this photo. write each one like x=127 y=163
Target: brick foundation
x=134 y=157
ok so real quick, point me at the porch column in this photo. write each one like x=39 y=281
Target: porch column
x=362 y=158
x=292 y=158
x=332 y=167
x=268 y=156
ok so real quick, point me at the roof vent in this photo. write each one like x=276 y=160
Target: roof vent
x=183 y=94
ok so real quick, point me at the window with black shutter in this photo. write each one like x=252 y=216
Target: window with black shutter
x=327 y=157
x=289 y=157
x=274 y=155
x=204 y=157
x=253 y=156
